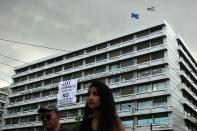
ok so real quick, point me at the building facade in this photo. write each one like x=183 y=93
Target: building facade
x=3 y=100
x=150 y=71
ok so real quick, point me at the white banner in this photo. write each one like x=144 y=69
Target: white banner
x=67 y=91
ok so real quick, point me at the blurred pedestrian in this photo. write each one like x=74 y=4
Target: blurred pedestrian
x=100 y=113
x=50 y=116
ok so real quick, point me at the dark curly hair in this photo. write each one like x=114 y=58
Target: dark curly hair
x=108 y=114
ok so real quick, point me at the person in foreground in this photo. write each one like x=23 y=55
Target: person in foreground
x=100 y=113
x=50 y=116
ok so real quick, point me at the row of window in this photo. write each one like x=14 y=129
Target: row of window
x=91 y=71
x=146 y=120
x=189 y=112
x=3 y=97
x=38 y=128
x=30 y=107
x=139 y=59
x=32 y=118
x=141 y=88
x=113 y=79
x=92 y=48
x=142 y=104
x=35 y=95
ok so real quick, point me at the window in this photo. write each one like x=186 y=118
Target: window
x=91 y=49
x=127 y=38
x=126 y=106
x=49 y=71
x=114 y=79
x=23 y=119
x=155 y=29
x=21 y=88
x=30 y=86
x=28 y=97
x=59 y=59
x=15 y=120
x=101 y=57
x=41 y=64
x=54 y=91
x=127 y=49
x=40 y=73
x=35 y=95
x=23 y=78
x=32 y=118
x=38 y=84
x=72 y=113
x=7 y=121
x=34 y=106
x=127 y=123
x=159 y=86
x=33 y=66
x=45 y=93
x=80 y=52
x=14 y=90
x=115 y=42
x=70 y=55
x=53 y=102
x=78 y=63
x=144 y=73
x=144 y=120
x=58 y=69
x=160 y=102
x=157 y=41
x=117 y=106
x=101 y=46
x=43 y=104
x=26 y=107
x=89 y=72
x=100 y=69
x=19 y=98
x=77 y=75
x=157 y=70
x=157 y=55
x=143 y=45
x=144 y=88
x=86 y=85
x=160 y=119
x=17 y=109
x=16 y=80
x=51 y=61
x=126 y=63
x=68 y=66
x=127 y=90
x=63 y=114
x=116 y=92
x=145 y=104
x=33 y=75
x=143 y=58
x=142 y=33
x=56 y=80
x=47 y=82
x=127 y=76
x=67 y=77
x=114 y=53
x=90 y=60
x=84 y=98
x=114 y=66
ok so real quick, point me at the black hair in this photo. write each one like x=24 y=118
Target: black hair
x=108 y=115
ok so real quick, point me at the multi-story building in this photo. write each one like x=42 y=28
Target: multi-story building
x=3 y=96
x=150 y=71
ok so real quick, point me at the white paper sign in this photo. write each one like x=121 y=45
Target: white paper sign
x=67 y=92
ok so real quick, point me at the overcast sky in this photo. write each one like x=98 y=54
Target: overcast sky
x=71 y=24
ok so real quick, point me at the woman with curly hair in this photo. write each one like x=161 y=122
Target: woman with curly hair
x=100 y=113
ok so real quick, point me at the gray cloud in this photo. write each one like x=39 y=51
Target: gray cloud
x=68 y=24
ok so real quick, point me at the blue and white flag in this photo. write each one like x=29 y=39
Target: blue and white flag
x=134 y=16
